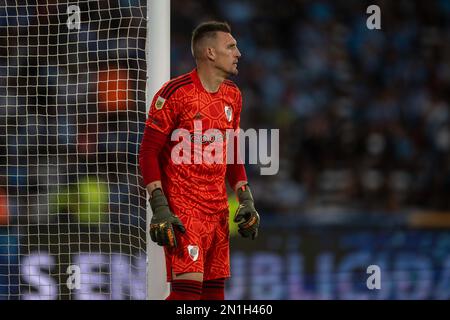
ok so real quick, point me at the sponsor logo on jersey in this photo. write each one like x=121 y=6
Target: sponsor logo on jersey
x=215 y=136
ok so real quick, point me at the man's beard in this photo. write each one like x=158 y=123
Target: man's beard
x=229 y=73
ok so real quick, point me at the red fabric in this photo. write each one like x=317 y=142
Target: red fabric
x=236 y=170
x=185 y=290
x=213 y=290
x=204 y=248
x=196 y=188
x=152 y=143
x=235 y=173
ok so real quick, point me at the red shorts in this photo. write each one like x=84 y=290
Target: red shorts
x=203 y=248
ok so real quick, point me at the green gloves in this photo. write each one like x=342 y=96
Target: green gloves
x=246 y=215
x=163 y=220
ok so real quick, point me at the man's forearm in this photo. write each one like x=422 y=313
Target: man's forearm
x=239 y=184
x=151 y=145
x=153 y=185
x=236 y=175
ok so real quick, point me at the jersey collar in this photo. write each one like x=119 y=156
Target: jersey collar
x=199 y=85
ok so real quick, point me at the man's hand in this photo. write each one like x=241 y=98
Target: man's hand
x=163 y=220
x=246 y=215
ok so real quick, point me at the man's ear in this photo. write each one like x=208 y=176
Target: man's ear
x=211 y=53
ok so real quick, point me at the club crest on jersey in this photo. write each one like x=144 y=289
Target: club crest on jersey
x=193 y=252
x=228 y=113
x=159 y=103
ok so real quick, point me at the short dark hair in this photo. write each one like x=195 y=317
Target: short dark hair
x=207 y=30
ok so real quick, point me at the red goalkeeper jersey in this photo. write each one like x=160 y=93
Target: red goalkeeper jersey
x=193 y=184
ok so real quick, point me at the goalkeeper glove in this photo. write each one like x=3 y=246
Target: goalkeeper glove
x=246 y=215
x=163 y=220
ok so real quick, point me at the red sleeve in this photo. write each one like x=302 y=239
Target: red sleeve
x=236 y=170
x=237 y=112
x=163 y=114
x=235 y=173
x=151 y=145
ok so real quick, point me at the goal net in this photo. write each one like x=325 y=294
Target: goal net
x=72 y=111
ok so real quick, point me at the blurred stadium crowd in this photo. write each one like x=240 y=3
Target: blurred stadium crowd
x=363 y=114
x=72 y=110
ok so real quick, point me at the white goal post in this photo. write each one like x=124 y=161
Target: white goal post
x=158 y=72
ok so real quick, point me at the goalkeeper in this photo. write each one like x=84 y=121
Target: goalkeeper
x=189 y=201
